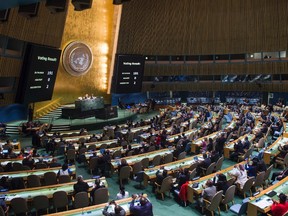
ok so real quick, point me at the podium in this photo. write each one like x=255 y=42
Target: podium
x=89 y=104
x=107 y=113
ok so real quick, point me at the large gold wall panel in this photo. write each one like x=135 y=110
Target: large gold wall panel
x=94 y=27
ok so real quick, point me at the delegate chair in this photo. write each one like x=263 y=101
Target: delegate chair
x=247 y=187
x=139 y=178
x=101 y=195
x=26 y=168
x=283 y=162
x=260 y=144
x=156 y=160
x=93 y=164
x=64 y=179
x=182 y=155
x=247 y=154
x=103 y=146
x=19 y=205
x=151 y=148
x=41 y=166
x=117 y=154
x=193 y=166
x=240 y=209
x=168 y=158
x=219 y=163
x=215 y=202
x=17 y=183
x=229 y=196
x=145 y=163
x=92 y=147
x=267 y=175
x=124 y=174
x=71 y=154
x=41 y=202
x=209 y=170
x=137 y=167
x=33 y=181
x=164 y=187
x=192 y=174
x=17 y=166
x=259 y=180
x=60 y=200
x=81 y=200
x=50 y=178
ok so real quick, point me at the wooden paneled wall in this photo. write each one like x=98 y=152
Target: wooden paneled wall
x=45 y=28
x=169 y=27
x=214 y=86
x=216 y=69
x=193 y=27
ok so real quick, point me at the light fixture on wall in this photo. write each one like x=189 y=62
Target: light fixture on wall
x=119 y=2
x=80 y=5
x=56 y=6
x=29 y=10
x=4 y=14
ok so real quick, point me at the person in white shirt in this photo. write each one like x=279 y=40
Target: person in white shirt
x=240 y=173
x=64 y=170
x=122 y=193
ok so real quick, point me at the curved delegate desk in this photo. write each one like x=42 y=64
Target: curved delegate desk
x=272 y=151
x=263 y=201
x=150 y=173
x=136 y=158
x=95 y=210
x=198 y=190
x=39 y=172
x=29 y=193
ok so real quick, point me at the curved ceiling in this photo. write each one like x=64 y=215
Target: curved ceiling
x=4 y=4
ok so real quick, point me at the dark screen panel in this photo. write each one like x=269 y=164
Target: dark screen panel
x=128 y=74
x=38 y=74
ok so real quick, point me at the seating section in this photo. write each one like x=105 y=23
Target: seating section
x=187 y=147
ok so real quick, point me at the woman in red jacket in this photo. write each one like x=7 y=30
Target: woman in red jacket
x=279 y=209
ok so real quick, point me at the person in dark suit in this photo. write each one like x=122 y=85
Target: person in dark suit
x=210 y=145
x=279 y=175
x=220 y=182
x=220 y=142
x=96 y=187
x=246 y=143
x=28 y=161
x=238 y=149
x=144 y=209
x=80 y=186
x=214 y=156
x=160 y=176
x=203 y=164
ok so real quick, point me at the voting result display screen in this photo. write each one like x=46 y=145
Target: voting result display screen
x=38 y=74
x=128 y=73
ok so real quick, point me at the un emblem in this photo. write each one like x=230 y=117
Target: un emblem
x=77 y=58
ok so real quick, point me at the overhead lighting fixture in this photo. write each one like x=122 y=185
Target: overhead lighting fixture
x=80 y=5
x=119 y=2
x=56 y=6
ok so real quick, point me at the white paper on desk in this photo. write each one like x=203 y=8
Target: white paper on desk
x=263 y=203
